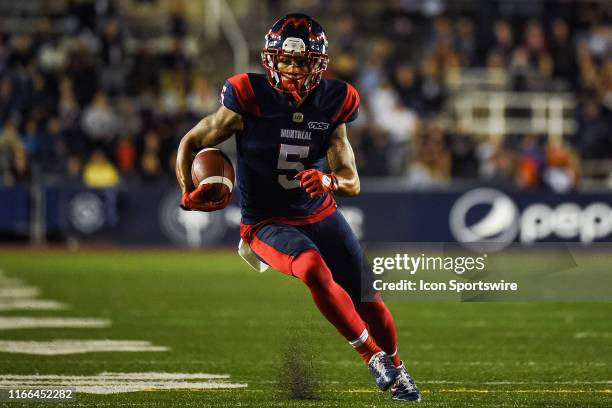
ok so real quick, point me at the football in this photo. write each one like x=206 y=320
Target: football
x=212 y=166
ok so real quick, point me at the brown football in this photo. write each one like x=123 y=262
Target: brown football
x=212 y=166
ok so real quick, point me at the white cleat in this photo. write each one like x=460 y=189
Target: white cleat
x=382 y=369
x=404 y=388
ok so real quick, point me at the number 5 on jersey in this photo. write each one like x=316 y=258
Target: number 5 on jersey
x=289 y=159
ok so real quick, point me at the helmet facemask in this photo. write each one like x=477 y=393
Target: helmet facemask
x=295 y=36
x=299 y=87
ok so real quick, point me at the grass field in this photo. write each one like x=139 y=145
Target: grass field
x=214 y=315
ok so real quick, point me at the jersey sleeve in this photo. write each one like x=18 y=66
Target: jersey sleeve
x=238 y=95
x=349 y=110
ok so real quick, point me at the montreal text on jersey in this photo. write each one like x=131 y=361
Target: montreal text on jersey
x=296 y=134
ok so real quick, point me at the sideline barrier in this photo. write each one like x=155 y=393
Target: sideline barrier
x=150 y=215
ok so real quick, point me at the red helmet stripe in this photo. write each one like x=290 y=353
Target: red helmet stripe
x=296 y=23
x=245 y=95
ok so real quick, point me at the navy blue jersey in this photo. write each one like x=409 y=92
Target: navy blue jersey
x=279 y=140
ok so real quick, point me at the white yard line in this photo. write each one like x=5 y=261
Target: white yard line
x=584 y=335
x=22 y=322
x=30 y=304
x=63 y=347
x=513 y=382
x=113 y=383
x=19 y=292
x=153 y=375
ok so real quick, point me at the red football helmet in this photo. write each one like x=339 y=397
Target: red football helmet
x=295 y=35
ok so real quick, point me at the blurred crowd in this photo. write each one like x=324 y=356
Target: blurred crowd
x=85 y=103
x=79 y=106
x=404 y=63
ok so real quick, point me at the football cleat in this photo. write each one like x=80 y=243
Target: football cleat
x=382 y=369
x=404 y=387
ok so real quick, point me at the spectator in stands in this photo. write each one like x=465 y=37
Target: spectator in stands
x=126 y=155
x=538 y=54
x=13 y=156
x=504 y=38
x=22 y=51
x=57 y=152
x=406 y=84
x=52 y=54
x=496 y=162
x=4 y=50
x=178 y=22
x=32 y=140
x=465 y=41
x=432 y=161
x=100 y=122
x=496 y=67
x=562 y=167
x=529 y=163
x=40 y=99
x=150 y=167
x=69 y=109
x=45 y=146
x=114 y=58
x=606 y=83
x=177 y=58
x=532 y=65
x=82 y=70
x=521 y=71
x=345 y=63
x=587 y=66
x=464 y=165
x=201 y=100
x=73 y=172
x=443 y=50
x=345 y=37
x=431 y=85
x=99 y=172
x=593 y=138
x=128 y=117
x=563 y=51
x=172 y=97
x=76 y=142
x=150 y=163
x=373 y=71
x=7 y=99
x=397 y=121
x=20 y=171
x=377 y=152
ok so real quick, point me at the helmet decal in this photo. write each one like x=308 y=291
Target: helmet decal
x=292 y=44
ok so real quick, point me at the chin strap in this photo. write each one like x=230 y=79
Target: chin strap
x=290 y=86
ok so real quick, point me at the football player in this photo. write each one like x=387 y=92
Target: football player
x=290 y=127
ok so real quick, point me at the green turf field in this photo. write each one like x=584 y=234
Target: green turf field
x=216 y=316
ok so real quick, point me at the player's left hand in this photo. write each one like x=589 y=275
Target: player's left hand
x=316 y=183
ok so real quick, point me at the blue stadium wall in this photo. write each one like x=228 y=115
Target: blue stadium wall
x=149 y=215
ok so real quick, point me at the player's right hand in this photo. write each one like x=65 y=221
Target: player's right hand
x=194 y=201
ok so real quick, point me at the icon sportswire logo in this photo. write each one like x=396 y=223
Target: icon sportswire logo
x=497 y=228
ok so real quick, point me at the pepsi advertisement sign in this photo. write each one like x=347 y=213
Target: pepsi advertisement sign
x=492 y=216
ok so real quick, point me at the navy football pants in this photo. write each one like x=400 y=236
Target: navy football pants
x=279 y=244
